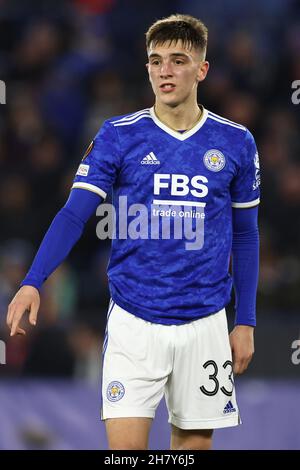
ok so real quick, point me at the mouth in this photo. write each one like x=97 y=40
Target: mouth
x=167 y=87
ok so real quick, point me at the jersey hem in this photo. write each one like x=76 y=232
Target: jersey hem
x=141 y=313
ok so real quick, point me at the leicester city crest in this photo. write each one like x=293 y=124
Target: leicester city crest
x=214 y=160
x=115 y=391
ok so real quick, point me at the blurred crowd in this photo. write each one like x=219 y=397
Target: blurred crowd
x=68 y=66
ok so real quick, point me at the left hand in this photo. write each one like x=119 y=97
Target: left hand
x=242 y=346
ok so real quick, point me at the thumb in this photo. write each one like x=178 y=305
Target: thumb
x=33 y=313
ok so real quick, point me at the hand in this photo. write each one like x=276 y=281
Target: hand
x=26 y=299
x=242 y=346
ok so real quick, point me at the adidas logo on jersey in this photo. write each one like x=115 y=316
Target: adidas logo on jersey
x=150 y=159
x=229 y=408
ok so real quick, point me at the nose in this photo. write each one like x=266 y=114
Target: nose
x=166 y=69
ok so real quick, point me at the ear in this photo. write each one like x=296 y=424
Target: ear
x=202 y=71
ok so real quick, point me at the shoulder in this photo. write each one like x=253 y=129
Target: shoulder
x=110 y=134
x=226 y=126
x=237 y=136
x=129 y=119
x=109 y=126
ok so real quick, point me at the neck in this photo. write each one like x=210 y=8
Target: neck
x=181 y=117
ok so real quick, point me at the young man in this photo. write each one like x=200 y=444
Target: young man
x=167 y=329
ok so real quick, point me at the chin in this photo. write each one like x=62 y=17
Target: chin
x=169 y=101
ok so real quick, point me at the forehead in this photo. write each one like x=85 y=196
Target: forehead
x=172 y=47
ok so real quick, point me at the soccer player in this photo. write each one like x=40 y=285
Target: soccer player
x=167 y=329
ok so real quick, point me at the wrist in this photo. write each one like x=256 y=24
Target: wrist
x=248 y=329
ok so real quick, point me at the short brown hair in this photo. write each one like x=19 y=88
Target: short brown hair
x=191 y=31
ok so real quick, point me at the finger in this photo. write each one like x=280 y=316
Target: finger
x=16 y=320
x=247 y=362
x=9 y=316
x=241 y=366
x=241 y=369
x=33 y=313
x=20 y=331
x=238 y=367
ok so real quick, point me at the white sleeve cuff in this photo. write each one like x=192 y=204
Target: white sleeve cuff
x=245 y=205
x=90 y=187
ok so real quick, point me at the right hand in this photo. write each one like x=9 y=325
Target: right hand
x=26 y=299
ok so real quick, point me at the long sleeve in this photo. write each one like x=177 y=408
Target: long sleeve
x=245 y=264
x=64 y=231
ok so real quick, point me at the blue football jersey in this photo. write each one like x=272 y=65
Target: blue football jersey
x=173 y=194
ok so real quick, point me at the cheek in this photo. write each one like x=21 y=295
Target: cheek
x=192 y=77
x=187 y=77
x=152 y=77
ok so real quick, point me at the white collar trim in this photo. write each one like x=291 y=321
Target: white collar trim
x=179 y=135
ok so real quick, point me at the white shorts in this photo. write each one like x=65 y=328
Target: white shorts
x=190 y=364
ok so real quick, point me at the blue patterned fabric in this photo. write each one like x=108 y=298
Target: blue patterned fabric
x=209 y=169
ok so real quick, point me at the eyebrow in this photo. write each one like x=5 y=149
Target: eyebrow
x=174 y=54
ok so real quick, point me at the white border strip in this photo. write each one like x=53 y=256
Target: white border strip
x=225 y=120
x=165 y=202
x=90 y=187
x=132 y=116
x=131 y=122
x=245 y=204
x=176 y=134
x=237 y=126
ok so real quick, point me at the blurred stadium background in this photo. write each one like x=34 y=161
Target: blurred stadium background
x=69 y=65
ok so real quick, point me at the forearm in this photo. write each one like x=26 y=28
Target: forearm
x=62 y=235
x=245 y=265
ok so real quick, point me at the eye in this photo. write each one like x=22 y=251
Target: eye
x=154 y=62
x=179 y=62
